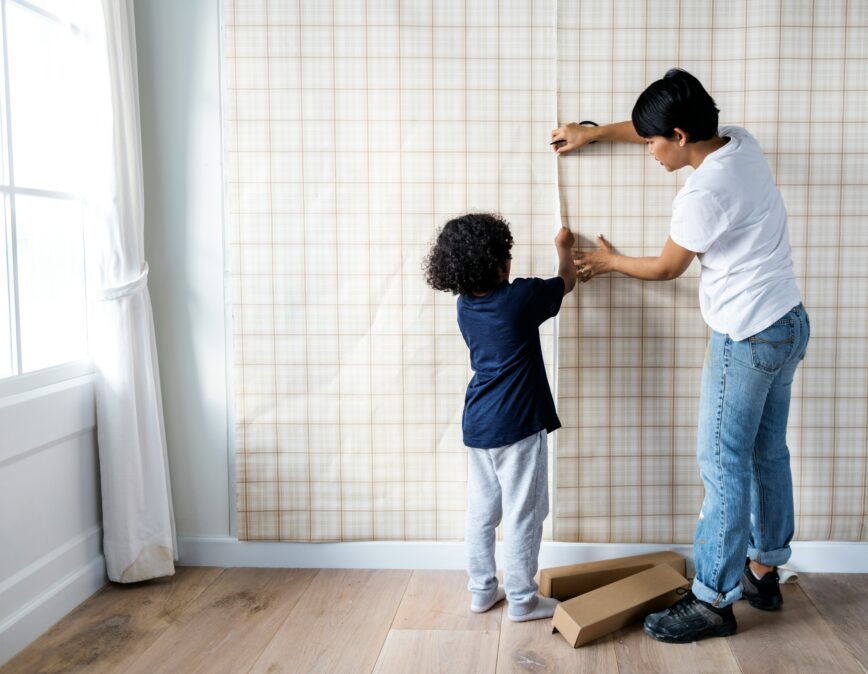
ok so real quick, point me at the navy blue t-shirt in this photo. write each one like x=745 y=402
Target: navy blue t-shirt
x=508 y=397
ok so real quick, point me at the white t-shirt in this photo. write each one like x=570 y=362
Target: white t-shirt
x=731 y=213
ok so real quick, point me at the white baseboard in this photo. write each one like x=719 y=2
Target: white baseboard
x=808 y=556
x=38 y=596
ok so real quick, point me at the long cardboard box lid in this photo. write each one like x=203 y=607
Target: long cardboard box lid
x=613 y=606
x=566 y=582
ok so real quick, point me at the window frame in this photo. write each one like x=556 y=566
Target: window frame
x=19 y=380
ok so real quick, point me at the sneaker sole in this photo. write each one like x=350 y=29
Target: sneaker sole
x=722 y=631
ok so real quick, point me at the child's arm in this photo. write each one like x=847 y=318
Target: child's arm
x=575 y=136
x=672 y=262
x=564 y=242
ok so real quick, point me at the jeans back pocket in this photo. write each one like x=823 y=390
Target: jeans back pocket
x=771 y=348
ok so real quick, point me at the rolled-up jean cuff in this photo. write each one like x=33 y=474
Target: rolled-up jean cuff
x=777 y=557
x=713 y=597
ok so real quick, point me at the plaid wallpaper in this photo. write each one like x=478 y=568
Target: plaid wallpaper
x=355 y=129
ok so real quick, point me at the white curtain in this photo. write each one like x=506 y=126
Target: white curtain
x=138 y=522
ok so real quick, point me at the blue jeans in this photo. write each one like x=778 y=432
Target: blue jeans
x=743 y=456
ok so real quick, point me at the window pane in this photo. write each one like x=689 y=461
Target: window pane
x=65 y=10
x=7 y=365
x=46 y=72
x=51 y=285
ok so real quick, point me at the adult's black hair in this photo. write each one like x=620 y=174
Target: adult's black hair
x=677 y=101
x=468 y=254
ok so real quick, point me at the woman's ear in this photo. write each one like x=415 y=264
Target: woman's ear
x=680 y=137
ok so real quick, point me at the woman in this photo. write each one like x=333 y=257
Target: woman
x=731 y=216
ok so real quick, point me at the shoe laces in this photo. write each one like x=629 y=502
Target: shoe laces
x=683 y=605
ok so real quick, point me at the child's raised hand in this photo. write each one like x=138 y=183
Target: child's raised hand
x=565 y=238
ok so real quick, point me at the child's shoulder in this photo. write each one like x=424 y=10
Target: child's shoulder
x=532 y=289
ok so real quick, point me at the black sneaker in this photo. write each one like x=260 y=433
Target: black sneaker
x=764 y=593
x=690 y=620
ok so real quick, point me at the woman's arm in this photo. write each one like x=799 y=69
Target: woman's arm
x=572 y=136
x=672 y=262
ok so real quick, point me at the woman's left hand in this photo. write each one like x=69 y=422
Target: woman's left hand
x=596 y=262
x=572 y=136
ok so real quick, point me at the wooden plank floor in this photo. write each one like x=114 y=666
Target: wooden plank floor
x=336 y=621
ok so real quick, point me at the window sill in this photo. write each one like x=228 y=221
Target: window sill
x=31 y=381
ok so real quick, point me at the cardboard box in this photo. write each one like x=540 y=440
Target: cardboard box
x=566 y=582
x=611 y=607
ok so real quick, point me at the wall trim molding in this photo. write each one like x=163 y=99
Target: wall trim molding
x=35 y=598
x=808 y=556
x=38 y=419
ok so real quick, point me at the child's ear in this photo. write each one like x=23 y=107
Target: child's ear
x=681 y=137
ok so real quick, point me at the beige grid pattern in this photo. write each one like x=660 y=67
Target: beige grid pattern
x=630 y=353
x=355 y=129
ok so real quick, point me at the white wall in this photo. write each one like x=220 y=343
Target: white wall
x=179 y=85
x=179 y=95
x=50 y=522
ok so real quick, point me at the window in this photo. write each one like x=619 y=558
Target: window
x=46 y=146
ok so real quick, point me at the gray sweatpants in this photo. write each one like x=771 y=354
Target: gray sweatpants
x=508 y=484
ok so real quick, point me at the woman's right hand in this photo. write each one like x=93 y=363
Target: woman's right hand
x=594 y=263
x=572 y=136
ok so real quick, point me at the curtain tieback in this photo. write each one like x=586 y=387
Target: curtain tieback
x=127 y=289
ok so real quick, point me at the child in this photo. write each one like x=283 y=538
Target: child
x=508 y=409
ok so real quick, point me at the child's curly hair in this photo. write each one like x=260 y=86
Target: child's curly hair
x=469 y=253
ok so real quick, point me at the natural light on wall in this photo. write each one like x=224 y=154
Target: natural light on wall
x=49 y=166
